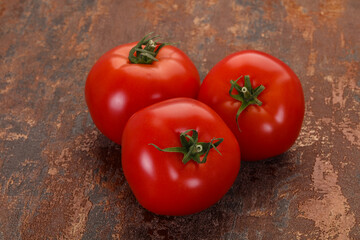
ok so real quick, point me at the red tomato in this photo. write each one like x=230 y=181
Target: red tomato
x=270 y=124
x=116 y=88
x=165 y=182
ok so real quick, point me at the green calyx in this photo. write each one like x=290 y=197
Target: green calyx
x=146 y=54
x=246 y=95
x=191 y=148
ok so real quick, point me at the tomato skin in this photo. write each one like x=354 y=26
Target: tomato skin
x=116 y=88
x=159 y=180
x=267 y=130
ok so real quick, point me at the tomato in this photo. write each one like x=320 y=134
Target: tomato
x=163 y=177
x=116 y=87
x=265 y=106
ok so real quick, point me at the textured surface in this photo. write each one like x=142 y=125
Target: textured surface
x=61 y=179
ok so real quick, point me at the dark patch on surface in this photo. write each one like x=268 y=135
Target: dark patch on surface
x=87 y=4
x=282 y=214
x=59 y=20
x=357 y=98
x=235 y=236
x=98 y=226
x=10 y=51
x=84 y=30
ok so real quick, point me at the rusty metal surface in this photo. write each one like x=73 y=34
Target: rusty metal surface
x=61 y=179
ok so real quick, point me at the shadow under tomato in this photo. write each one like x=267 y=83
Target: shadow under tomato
x=258 y=188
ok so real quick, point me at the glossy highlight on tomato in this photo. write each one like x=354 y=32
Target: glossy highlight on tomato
x=116 y=88
x=168 y=183
x=271 y=123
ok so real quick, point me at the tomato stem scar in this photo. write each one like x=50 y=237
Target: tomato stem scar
x=191 y=148
x=199 y=148
x=146 y=49
x=246 y=95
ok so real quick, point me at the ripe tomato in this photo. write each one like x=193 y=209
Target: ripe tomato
x=121 y=83
x=266 y=111
x=163 y=177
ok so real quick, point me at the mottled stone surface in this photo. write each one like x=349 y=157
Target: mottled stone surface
x=62 y=179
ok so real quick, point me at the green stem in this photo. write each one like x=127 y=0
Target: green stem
x=246 y=95
x=191 y=148
x=146 y=50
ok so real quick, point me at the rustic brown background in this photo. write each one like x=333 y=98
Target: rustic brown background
x=62 y=179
